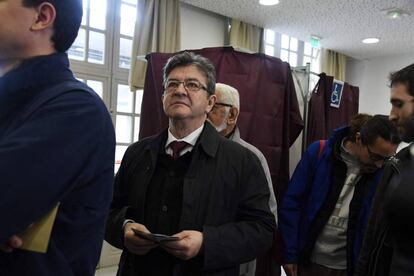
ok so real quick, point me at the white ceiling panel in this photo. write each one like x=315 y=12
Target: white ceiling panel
x=341 y=24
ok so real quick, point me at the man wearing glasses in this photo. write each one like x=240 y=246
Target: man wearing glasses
x=388 y=245
x=224 y=116
x=323 y=215
x=207 y=194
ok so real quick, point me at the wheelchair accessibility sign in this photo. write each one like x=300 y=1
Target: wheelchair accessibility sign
x=337 y=88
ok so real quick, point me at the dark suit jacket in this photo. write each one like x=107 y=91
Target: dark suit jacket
x=376 y=252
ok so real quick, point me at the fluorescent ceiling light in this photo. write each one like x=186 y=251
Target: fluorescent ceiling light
x=268 y=2
x=370 y=40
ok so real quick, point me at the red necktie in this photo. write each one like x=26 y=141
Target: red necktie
x=177 y=147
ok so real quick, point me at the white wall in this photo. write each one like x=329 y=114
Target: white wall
x=372 y=78
x=201 y=29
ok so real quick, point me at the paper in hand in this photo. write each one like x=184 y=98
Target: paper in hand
x=157 y=238
x=36 y=238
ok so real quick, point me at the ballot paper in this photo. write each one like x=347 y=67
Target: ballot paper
x=36 y=237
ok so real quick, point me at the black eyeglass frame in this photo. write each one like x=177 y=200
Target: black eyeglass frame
x=185 y=84
x=375 y=157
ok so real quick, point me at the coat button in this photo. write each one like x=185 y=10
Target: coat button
x=164 y=208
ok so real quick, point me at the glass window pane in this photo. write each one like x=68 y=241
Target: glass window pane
x=315 y=66
x=285 y=41
x=132 y=2
x=85 y=12
x=293 y=59
x=306 y=60
x=125 y=51
x=315 y=52
x=308 y=49
x=119 y=153
x=128 y=15
x=270 y=36
x=293 y=44
x=125 y=99
x=97 y=86
x=269 y=50
x=313 y=80
x=284 y=55
x=138 y=101
x=136 y=128
x=123 y=128
x=77 y=50
x=98 y=14
x=96 y=47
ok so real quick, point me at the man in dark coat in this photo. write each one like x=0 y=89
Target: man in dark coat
x=382 y=252
x=57 y=145
x=211 y=195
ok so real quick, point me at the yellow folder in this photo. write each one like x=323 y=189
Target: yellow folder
x=36 y=238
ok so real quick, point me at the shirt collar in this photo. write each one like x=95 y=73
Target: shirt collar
x=190 y=138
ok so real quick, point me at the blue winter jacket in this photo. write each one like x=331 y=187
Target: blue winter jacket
x=57 y=144
x=303 y=202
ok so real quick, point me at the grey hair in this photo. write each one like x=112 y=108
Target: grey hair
x=229 y=95
x=188 y=58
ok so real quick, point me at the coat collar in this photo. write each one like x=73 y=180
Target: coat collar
x=235 y=135
x=339 y=134
x=209 y=140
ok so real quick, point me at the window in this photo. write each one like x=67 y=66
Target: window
x=289 y=50
x=96 y=85
x=90 y=44
x=128 y=109
x=101 y=57
x=128 y=13
x=269 y=42
x=311 y=55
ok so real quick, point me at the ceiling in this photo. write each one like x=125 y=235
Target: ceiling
x=341 y=24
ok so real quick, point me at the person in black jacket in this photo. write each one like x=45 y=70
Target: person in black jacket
x=387 y=249
x=211 y=195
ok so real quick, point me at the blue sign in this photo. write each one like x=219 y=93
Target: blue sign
x=337 y=88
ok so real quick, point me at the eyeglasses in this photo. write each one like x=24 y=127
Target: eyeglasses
x=375 y=157
x=189 y=85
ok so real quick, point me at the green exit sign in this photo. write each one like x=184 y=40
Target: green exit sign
x=315 y=42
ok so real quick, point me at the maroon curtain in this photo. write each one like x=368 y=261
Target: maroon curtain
x=269 y=117
x=324 y=118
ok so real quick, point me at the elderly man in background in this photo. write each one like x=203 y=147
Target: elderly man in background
x=224 y=116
